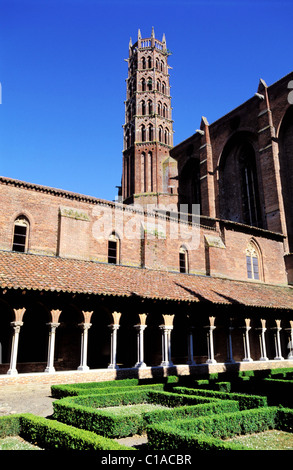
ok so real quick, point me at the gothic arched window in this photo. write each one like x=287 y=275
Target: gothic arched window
x=151 y=132
x=143 y=108
x=253 y=261
x=20 y=234
x=150 y=107
x=143 y=136
x=143 y=84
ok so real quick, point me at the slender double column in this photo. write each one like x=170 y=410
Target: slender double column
x=166 y=329
x=246 y=344
x=210 y=341
x=84 y=326
x=140 y=340
x=278 y=349
x=114 y=328
x=263 y=350
x=16 y=325
x=190 y=360
x=290 y=343
x=53 y=325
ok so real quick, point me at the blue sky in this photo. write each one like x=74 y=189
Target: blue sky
x=62 y=74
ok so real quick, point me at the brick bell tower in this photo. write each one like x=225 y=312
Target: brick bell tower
x=149 y=174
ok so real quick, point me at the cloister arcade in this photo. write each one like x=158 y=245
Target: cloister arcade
x=45 y=332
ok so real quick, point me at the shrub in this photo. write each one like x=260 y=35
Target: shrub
x=245 y=401
x=50 y=435
x=9 y=425
x=220 y=426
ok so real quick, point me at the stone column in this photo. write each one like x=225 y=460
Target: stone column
x=263 y=350
x=190 y=361
x=210 y=339
x=278 y=328
x=55 y=314
x=51 y=347
x=14 y=347
x=166 y=340
x=114 y=328
x=84 y=343
x=230 y=357
x=140 y=340
x=290 y=344
x=247 y=328
x=85 y=326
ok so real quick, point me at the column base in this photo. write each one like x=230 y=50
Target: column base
x=86 y=368
x=113 y=366
x=166 y=364
x=140 y=365
x=12 y=372
x=191 y=363
x=50 y=370
x=263 y=359
x=278 y=358
x=247 y=359
x=211 y=361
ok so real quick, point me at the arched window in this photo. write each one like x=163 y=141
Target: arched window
x=151 y=132
x=183 y=260
x=166 y=136
x=150 y=84
x=160 y=134
x=165 y=111
x=253 y=261
x=162 y=66
x=143 y=136
x=164 y=87
x=149 y=59
x=157 y=63
x=143 y=63
x=159 y=85
x=150 y=107
x=113 y=249
x=20 y=234
x=142 y=84
x=159 y=108
x=143 y=108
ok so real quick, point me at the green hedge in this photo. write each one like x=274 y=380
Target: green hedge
x=245 y=401
x=9 y=425
x=52 y=435
x=82 y=410
x=207 y=432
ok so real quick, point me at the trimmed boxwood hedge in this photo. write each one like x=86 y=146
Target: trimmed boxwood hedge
x=61 y=391
x=82 y=410
x=206 y=432
x=245 y=401
x=52 y=435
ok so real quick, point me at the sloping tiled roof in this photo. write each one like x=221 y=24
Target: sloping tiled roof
x=46 y=273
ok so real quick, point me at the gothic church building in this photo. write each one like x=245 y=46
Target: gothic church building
x=143 y=287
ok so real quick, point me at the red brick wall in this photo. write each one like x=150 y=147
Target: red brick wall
x=69 y=227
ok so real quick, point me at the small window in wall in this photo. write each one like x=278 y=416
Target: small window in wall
x=252 y=262
x=20 y=235
x=113 y=249
x=183 y=260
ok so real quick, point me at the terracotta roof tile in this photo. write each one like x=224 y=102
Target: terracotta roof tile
x=36 y=272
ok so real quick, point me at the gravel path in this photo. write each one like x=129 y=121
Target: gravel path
x=37 y=399
x=24 y=398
